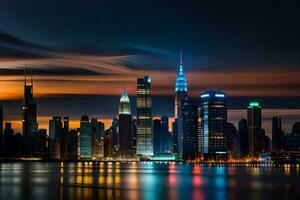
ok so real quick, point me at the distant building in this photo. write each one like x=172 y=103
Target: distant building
x=190 y=129
x=8 y=141
x=73 y=145
x=55 y=127
x=85 y=138
x=255 y=134
x=175 y=137
x=276 y=134
x=294 y=140
x=108 y=144
x=232 y=138
x=181 y=94
x=29 y=122
x=214 y=117
x=243 y=138
x=133 y=135
x=98 y=128
x=166 y=142
x=115 y=130
x=40 y=148
x=124 y=124
x=144 y=117
x=157 y=137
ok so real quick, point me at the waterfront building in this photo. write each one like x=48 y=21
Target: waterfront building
x=214 y=117
x=144 y=117
x=124 y=124
x=85 y=138
x=255 y=133
x=181 y=95
x=190 y=129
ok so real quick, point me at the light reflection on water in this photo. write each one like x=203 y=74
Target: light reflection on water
x=148 y=180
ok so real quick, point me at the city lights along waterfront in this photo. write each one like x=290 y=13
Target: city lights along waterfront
x=149 y=100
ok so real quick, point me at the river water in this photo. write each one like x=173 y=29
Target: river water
x=146 y=180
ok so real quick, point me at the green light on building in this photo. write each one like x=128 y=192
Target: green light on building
x=253 y=104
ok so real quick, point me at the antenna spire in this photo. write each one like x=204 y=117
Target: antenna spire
x=25 y=75
x=181 y=56
x=31 y=76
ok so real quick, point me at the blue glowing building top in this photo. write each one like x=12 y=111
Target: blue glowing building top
x=181 y=83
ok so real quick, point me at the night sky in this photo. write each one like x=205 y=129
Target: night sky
x=83 y=53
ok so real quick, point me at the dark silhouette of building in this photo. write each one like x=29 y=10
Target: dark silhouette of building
x=55 y=127
x=133 y=135
x=166 y=142
x=181 y=94
x=29 y=123
x=115 y=130
x=256 y=135
x=40 y=148
x=98 y=128
x=294 y=139
x=157 y=137
x=144 y=117
x=124 y=124
x=175 y=137
x=231 y=134
x=73 y=145
x=243 y=138
x=108 y=144
x=213 y=119
x=276 y=134
x=190 y=129
x=8 y=141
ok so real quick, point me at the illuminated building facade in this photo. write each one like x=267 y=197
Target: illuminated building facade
x=144 y=117
x=85 y=138
x=214 y=117
x=181 y=94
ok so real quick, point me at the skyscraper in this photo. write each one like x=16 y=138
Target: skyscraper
x=255 y=133
x=85 y=138
x=124 y=124
x=29 y=122
x=181 y=94
x=276 y=134
x=190 y=129
x=29 y=110
x=214 y=117
x=144 y=117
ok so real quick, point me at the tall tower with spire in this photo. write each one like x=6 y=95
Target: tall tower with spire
x=29 y=122
x=181 y=94
x=124 y=125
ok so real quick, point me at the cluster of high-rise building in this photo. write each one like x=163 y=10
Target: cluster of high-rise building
x=200 y=131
